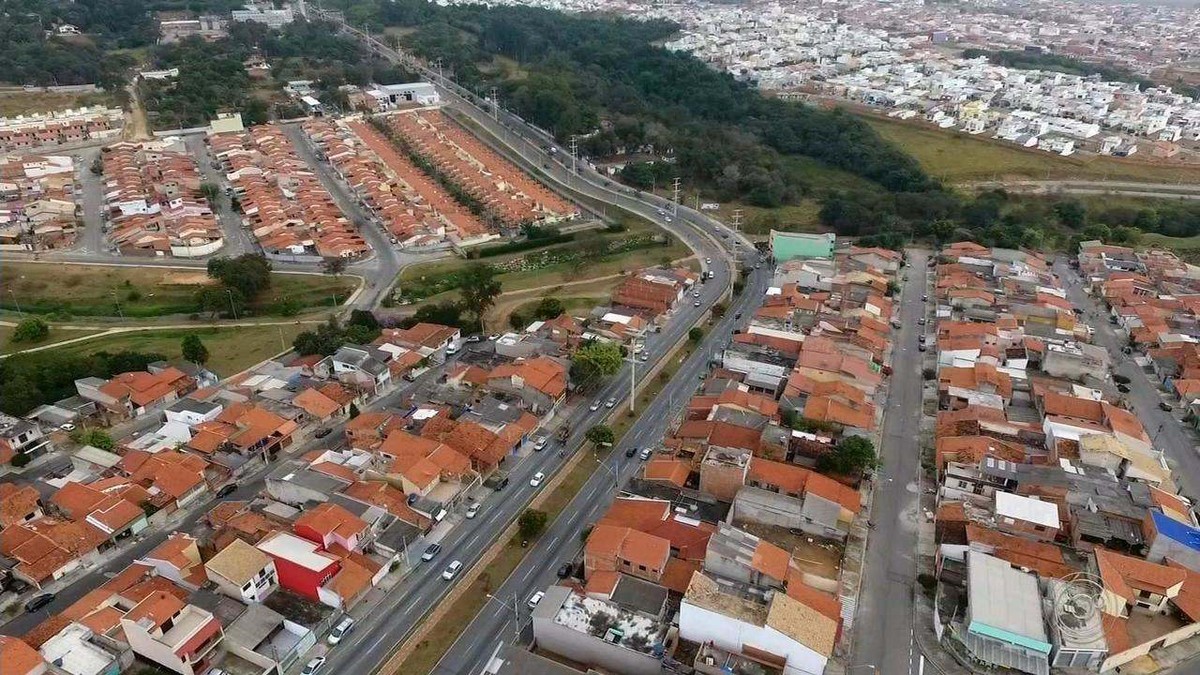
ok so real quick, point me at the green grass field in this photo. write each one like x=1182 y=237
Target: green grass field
x=231 y=350
x=94 y=290
x=7 y=346
x=956 y=157
x=1151 y=239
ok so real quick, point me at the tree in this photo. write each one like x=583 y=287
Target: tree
x=32 y=329
x=94 y=438
x=696 y=334
x=1071 y=213
x=249 y=274
x=479 y=289
x=531 y=523
x=548 y=308
x=600 y=434
x=210 y=192
x=21 y=459
x=851 y=456
x=594 y=361
x=193 y=349
x=333 y=266
x=353 y=411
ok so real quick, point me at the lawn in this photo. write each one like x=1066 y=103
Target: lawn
x=1151 y=239
x=429 y=651
x=231 y=350
x=957 y=157
x=7 y=346
x=96 y=290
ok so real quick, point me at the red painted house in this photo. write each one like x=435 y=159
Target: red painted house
x=302 y=566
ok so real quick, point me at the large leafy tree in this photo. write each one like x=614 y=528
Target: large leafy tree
x=851 y=456
x=600 y=435
x=193 y=349
x=249 y=274
x=593 y=362
x=479 y=288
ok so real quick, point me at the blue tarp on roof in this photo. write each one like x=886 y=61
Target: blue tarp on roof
x=1180 y=532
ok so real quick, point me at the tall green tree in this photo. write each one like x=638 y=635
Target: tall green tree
x=31 y=329
x=594 y=361
x=193 y=349
x=600 y=434
x=479 y=289
x=851 y=456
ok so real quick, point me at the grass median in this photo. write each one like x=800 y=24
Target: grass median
x=462 y=611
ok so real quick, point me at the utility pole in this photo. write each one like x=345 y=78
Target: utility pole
x=17 y=303
x=675 y=190
x=737 y=220
x=232 y=307
x=495 y=105
x=574 y=152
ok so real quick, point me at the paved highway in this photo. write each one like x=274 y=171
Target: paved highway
x=560 y=543
x=883 y=627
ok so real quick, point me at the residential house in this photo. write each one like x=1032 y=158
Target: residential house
x=172 y=633
x=243 y=572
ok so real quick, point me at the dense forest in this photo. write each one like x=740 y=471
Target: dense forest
x=604 y=80
x=212 y=76
x=35 y=378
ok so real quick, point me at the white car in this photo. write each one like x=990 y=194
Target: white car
x=452 y=570
x=708 y=260
x=645 y=356
x=67 y=427
x=313 y=666
x=473 y=509
x=540 y=445
x=696 y=303
x=612 y=401
x=695 y=294
x=536 y=598
x=340 y=631
x=537 y=479
x=594 y=406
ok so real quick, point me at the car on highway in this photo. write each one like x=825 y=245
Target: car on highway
x=695 y=294
x=565 y=570
x=645 y=454
x=473 y=509
x=612 y=401
x=226 y=490
x=313 y=666
x=921 y=347
x=708 y=260
x=594 y=406
x=535 y=599
x=431 y=552
x=1164 y=406
x=921 y=321
x=645 y=356
x=630 y=452
x=38 y=601
x=696 y=303
x=452 y=570
x=540 y=444
x=924 y=298
x=340 y=631
x=537 y=479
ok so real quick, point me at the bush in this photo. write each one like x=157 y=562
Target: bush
x=531 y=523
x=696 y=334
x=1120 y=379
x=929 y=373
x=21 y=459
x=518 y=246
x=32 y=329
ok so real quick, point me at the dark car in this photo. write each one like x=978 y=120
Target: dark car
x=1123 y=389
x=565 y=570
x=38 y=601
x=630 y=452
x=227 y=490
x=323 y=432
x=1165 y=406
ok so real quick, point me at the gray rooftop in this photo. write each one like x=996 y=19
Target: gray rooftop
x=193 y=406
x=254 y=626
x=639 y=595
x=1003 y=598
x=516 y=661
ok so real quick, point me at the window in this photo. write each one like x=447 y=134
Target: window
x=1039 y=528
x=641 y=568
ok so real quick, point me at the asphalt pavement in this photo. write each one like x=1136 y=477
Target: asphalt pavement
x=1165 y=430
x=883 y=626
x=238 y=239
x=499 y=620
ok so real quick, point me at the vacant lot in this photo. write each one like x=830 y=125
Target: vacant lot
x=231 y=350
x=802 y=217
x=955 y=157
x=28 y=103
x=95 y=290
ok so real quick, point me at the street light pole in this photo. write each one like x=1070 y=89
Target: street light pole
x=232 y=308
x=17 y=303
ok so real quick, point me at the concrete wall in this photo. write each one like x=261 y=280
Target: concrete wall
x=702 y=625
x=592 y=651
x=1178 y=635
